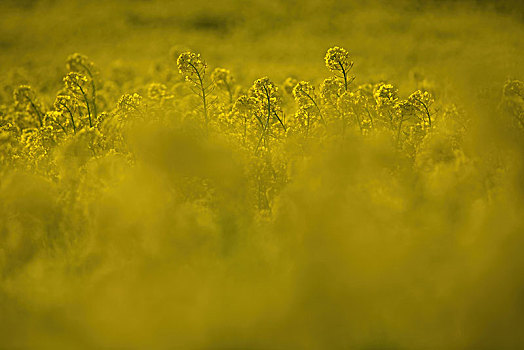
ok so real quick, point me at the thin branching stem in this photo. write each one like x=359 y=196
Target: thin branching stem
x=203 y=91
x=87 y=104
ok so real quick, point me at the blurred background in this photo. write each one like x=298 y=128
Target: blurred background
x=480 y=40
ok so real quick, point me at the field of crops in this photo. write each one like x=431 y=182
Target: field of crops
x=273 y=174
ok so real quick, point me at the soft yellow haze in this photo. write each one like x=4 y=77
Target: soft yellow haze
x=149 y=200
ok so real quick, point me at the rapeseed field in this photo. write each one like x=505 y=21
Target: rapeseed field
x=273 y=174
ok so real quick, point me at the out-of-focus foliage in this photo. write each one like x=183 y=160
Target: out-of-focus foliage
x=276 y=191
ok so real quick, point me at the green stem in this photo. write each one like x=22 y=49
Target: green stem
x=93 y=87
x=87 y=104
x=71 y=115
x=37 y=111
x=345 y=76
x=245 y=129
x=268 y=114
x=201 y=83
x=370 y=118
x=280 y=120
x=318 y=109
x=61 y=126
x=426 y=109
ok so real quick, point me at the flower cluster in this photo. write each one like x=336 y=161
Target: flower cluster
x=386 y=95
x=129 y=103
x=337 y=59
x=25 y=99
x=79 y=63
x=266 y=93
x=24 y=94
x=303 y=93
x=75 y=82
x=157 y=92
x=330 y=90
x=190 y=65
x=245 y=104
x=259 y=120
x=288 y=85
x=222 y=78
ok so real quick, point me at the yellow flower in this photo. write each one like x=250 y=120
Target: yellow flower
x=25 y=97
x=79 y=63
x=289 y=84
x=222 y=78
x=129 y=103
x=330 y=89
x=62 y=102
x=23 y=94
x=190 y=64
x=386 y=95
x=303 y=93
x=347 y=101
x=75 y=82
x=156 y=92
x=337 y=59
x=263 y=89
x=245 y=104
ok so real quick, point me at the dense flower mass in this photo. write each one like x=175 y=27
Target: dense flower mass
x=260 y=119
x=217 y=191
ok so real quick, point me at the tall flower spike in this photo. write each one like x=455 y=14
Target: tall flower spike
x=422 y=101
x=264 y=89
x=268 y=97
x=194 y=69
x=304 y=94
x=65 y=104
x=75 y=83
x=25 y=96
x=337 y=60
x=82 y=64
